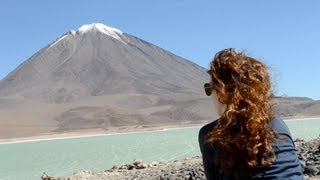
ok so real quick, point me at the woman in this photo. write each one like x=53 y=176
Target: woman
x=247 y=141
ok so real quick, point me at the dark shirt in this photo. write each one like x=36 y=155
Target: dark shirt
x=285 y=166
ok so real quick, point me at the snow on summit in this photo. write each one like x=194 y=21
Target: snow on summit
x=110 y=31
x=113 y=32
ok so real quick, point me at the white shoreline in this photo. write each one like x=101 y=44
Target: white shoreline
x=63 y=136
x=41 y=138
x=302 y=119
x=75 y=135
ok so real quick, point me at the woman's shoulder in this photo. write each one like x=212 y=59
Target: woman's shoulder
x=206 y=129
x=279 y=126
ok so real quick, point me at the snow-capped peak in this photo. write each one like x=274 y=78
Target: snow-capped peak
x=94 y=27
x=110 y=31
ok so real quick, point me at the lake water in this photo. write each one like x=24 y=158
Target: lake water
x=29 y=160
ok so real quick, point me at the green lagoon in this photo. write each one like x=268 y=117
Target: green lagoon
x=28 y=160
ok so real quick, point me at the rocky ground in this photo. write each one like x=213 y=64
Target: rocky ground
x=309 y=155
x=190 y=168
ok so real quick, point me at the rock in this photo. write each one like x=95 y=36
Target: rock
x=138 y=164
x=46 y=177
x=303 y=165
x=153 y=164
x=298 y=140
x=312 y=170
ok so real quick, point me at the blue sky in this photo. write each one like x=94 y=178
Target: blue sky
x=283 y=34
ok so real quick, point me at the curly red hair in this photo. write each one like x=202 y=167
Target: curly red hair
x=242 y=133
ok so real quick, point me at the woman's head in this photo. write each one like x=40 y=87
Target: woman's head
x=243 y=85
x=236 y=77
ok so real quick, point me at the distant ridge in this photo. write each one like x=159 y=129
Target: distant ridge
x=100 y=78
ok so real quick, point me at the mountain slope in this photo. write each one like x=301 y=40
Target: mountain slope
x=100 y=77
x=93 y=63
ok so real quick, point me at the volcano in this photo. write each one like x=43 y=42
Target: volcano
x=98 y=77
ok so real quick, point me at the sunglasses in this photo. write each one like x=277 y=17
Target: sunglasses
x=207 y=89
